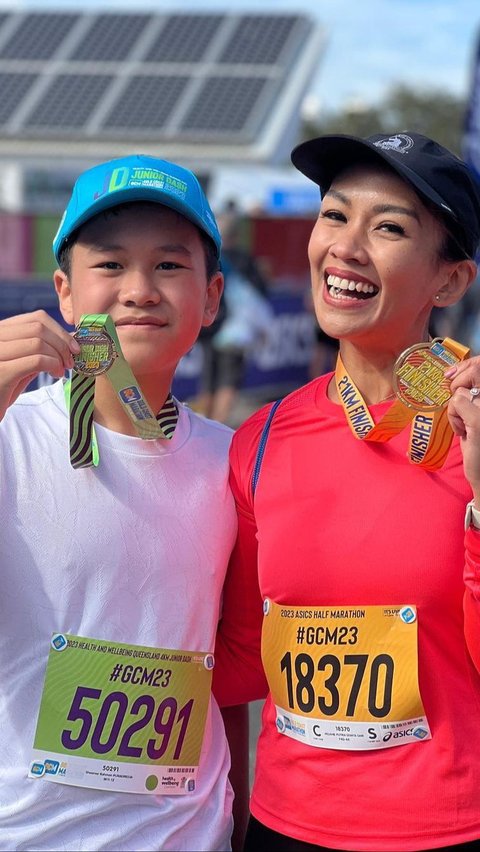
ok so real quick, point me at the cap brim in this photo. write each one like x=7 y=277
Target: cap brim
x=129 y=195
x=322 y=159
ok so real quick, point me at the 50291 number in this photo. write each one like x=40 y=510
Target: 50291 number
x=103 y=729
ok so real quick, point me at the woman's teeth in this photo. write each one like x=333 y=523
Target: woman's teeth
x=340 y=287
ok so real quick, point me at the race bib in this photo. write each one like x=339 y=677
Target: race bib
x=124 y=718
x=344 y=678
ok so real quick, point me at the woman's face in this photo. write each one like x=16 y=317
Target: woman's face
x=375 y=260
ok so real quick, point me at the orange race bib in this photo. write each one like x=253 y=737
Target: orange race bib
x=344 y=678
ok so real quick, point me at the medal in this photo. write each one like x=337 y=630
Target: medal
x=419 y=375
x=101 y=353
x=422 y=396
x=97 y=352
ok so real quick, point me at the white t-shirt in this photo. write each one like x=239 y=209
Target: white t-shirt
x=133 y=551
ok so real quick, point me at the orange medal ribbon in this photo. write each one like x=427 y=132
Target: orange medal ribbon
x=422 y=396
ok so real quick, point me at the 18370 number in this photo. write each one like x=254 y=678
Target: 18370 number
x=300 y=672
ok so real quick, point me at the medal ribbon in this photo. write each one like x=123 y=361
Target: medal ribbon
x=430 y=434
x=80 y=393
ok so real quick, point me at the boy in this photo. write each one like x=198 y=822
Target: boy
x=118 y=563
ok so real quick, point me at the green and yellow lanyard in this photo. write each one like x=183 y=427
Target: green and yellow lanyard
x=101 y=353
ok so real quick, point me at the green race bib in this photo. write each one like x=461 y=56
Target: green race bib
x=124 y=718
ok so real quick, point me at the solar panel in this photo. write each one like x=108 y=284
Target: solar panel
x=184 y=38
x=258 y=39
x=13 y=87
x=67 y=103
x=110 y=38
x=38 y=35
x=224 y=105
x=176 y=80
x=147 y=102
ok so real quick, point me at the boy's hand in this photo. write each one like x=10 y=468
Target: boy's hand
x=30 y=344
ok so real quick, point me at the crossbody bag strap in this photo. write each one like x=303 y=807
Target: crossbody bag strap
x=262 y=444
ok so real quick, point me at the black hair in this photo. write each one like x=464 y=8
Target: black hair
x=451 y=248
x=212 y=263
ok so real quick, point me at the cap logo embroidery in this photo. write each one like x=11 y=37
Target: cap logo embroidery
x=400 y=142
x=158 y=180
x=113 y=180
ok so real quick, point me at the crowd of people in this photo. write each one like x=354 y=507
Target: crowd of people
x=160 y=571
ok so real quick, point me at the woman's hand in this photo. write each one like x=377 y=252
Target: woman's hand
x=464 y=416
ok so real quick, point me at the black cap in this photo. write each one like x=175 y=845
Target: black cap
x=434 y=172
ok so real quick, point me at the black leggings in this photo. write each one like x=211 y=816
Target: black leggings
x=259 y=838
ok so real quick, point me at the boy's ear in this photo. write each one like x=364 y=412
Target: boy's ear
x=212 y=301
x=64 y=293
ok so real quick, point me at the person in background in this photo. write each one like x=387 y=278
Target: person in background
x=226 y=343
x=358 y=550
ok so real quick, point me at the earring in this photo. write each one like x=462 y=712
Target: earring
x=437 y=298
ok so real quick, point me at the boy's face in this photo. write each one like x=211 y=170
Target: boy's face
x=144 y=265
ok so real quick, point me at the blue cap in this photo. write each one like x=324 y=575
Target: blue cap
x=136 y=178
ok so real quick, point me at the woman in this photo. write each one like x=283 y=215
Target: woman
x=370 y=733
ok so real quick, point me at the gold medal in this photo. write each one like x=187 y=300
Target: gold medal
x=97 y=352
x=422 y=396
x=419 y=376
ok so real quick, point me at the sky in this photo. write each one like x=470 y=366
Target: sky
x=370 y=45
